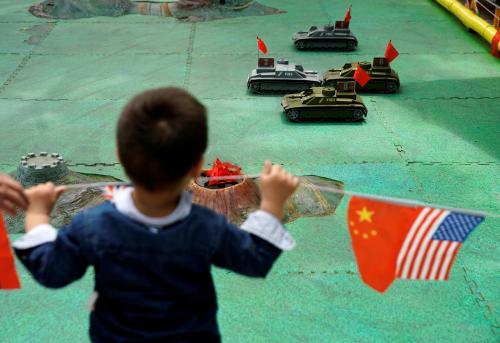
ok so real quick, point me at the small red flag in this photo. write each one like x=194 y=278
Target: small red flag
x=347 y=17
x=8 y=274
x=407 y=242
x=361 y=76
x=261 y=45
x=390 y=52
x=494 y=44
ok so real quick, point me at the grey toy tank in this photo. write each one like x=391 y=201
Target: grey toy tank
x=325 y=103
x=281 y=77
x=338 y=37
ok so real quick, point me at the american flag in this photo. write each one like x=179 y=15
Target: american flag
x=432 y=243
x=109 y=192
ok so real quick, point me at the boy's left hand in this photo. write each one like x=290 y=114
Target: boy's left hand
x=43 y=197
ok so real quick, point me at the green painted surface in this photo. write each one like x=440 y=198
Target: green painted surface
x=437 y=140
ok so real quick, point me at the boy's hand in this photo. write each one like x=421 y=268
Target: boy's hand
x=12 y=195
x=276 y=187
x=41 y=201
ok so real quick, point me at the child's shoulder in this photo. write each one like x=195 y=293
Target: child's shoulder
x=105 y=210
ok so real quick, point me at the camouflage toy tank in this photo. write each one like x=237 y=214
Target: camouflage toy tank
x=383 y=78
x=323 y=103
x=281 y=77
x=338 y=37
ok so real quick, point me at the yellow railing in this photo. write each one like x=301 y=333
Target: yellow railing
x=470 y=19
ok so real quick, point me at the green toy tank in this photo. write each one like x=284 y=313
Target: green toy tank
x=383 y=78
x=324 y=103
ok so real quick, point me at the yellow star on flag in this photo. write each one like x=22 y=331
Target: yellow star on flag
x=365 y=215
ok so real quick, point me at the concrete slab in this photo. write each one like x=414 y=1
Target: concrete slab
x=450 y=130
x=111 y=38
x=251 y=131
x=90 y=126
x=97 y=77
x=8 y=64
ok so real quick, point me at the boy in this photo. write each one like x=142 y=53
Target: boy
x=151 y=248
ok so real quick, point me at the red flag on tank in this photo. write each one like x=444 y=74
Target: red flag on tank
x=407 y=242
x=361 y=76
x=8 y=274
x=347 y=17
x=390 y=52
x=261 y=45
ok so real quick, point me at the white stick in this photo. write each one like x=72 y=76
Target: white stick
x=394 y=200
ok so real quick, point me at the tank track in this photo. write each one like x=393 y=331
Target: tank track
x=259 y=90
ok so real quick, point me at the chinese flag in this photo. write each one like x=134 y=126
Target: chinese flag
x=378 y=230
x=361 y=76
x=390 y=52
x=261 y=45
x=347 y=17
x=8 y=274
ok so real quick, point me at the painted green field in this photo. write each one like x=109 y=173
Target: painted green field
x=63 y=83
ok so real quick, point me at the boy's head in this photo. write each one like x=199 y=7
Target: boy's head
x=161 y=136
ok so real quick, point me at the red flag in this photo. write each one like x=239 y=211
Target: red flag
x=390 y=52
x=8 y=274
x=494 y=44
x=261 y=45
x=361 y=76
x=408 y=242
x=347 y=17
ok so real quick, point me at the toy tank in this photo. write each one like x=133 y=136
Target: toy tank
x=383 y=78
x=281 y=77
x=323 y=103
x=338 y=37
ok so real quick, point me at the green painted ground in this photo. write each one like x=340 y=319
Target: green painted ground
x=437 y=140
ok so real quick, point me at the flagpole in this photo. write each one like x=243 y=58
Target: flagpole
x=258 y=34
x=389 y=199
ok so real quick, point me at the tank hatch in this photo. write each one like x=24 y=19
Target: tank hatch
x=346 y=89
x=330 y=92
x=340 y=24
x=365 y=65
x=266 y=62
x=381 y=64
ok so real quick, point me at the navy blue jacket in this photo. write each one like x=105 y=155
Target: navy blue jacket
x=153 y=287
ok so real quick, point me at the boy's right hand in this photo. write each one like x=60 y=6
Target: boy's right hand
x=276 y=187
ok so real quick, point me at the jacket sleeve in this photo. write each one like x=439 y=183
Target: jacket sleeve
x=252 y=249
x=54 y=258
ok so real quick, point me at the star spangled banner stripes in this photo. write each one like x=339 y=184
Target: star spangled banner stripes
x=432 y=243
